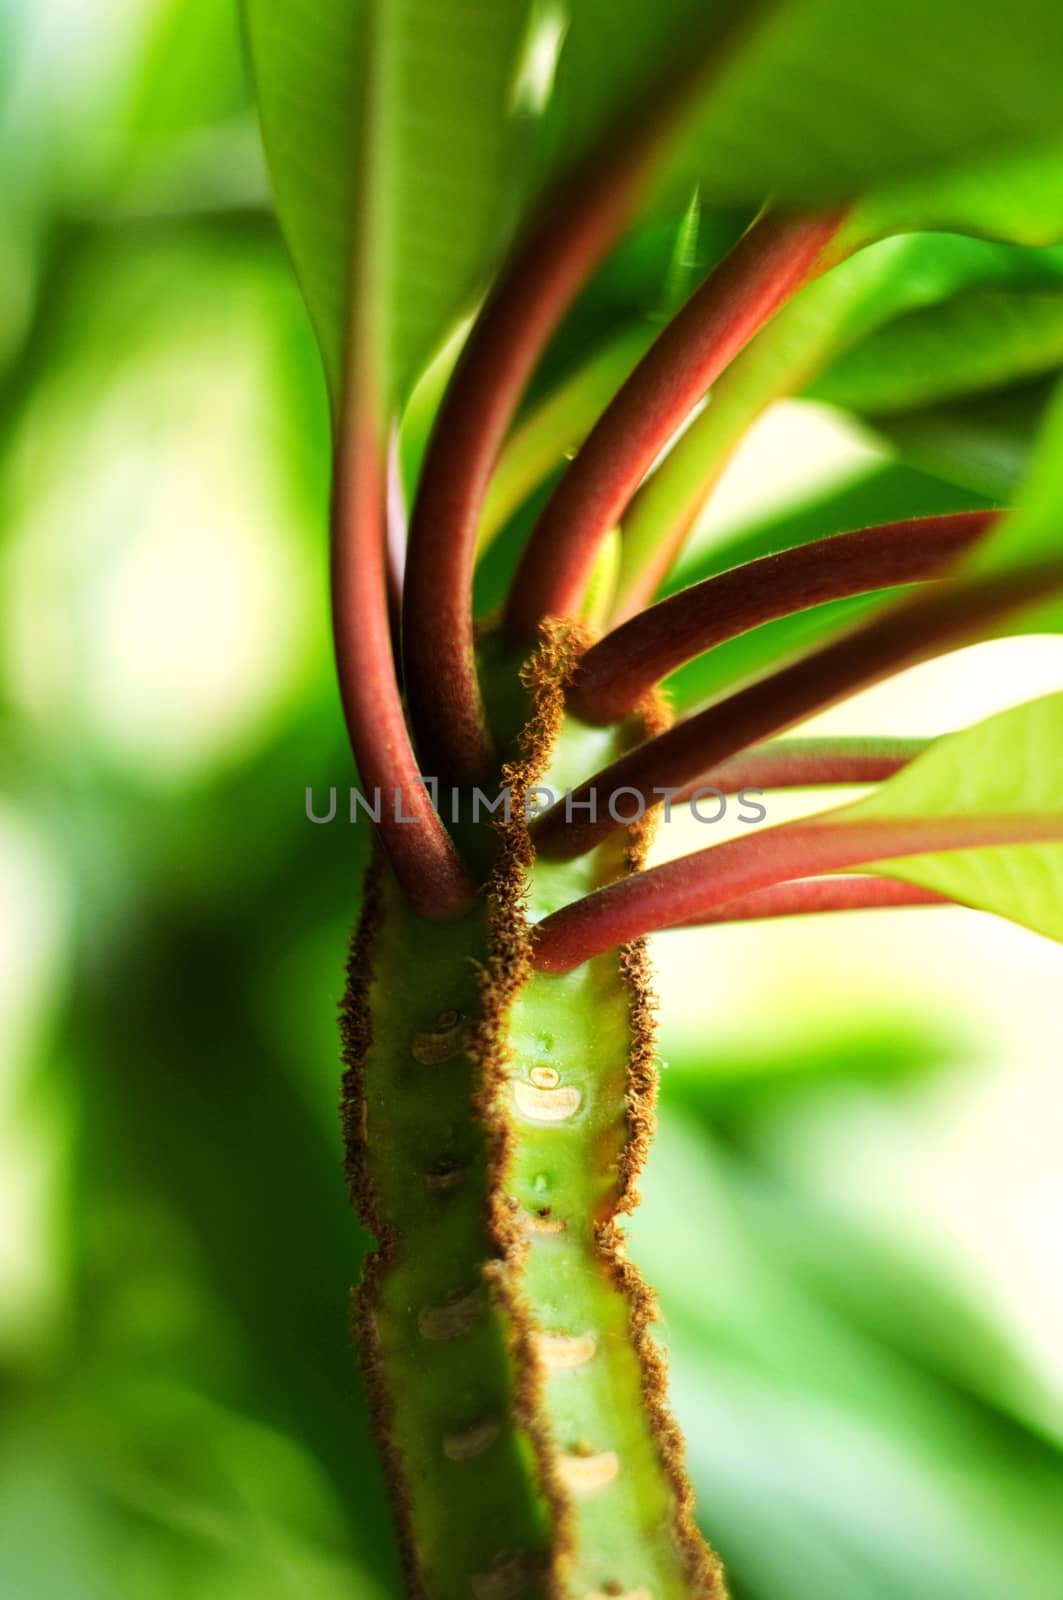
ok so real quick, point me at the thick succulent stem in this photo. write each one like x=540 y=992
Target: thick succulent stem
x=495 y=1121
x=434 y=1346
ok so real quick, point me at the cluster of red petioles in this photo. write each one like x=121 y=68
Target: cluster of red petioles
x=437 y=722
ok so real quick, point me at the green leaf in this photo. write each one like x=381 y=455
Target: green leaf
x=1033 y=531
x=773 y=1371
x=1031 y=535
x=1008 y=766
x=829 y=98
x=982 y=442
x=616 y=56
x=1017 y=196
x=391 y=137
x=977 y=340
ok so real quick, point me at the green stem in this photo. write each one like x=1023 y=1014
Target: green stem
x=495 y=1122
x=434 y=1350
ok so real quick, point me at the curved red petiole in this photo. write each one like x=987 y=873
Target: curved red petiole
x=558 y=252
x=620 y=669
x=767 y=265
x=914 y=630
x=420 y=850
x=693 y=887
x=570 y=232
x=805 y=764
x=813 y=896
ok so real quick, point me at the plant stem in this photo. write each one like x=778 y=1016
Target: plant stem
x=571 y=229
x=807 y=763
x=555 y=428
x=361 y=534
x=915 y=630
x=805 y=336
x=620 y=669
x=566 y=239
x=421 y=853
x=814 y=896
x=495 y=1123
x=768 y=264
x=692 y=887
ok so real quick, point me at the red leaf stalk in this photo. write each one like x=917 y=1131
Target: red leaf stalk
x=558 y=252
x=570 y=232
x=814 y=896
x=768 y=264
x=622 y=668
x=420 y=849
x=912 y=631
x=693 y=887
x=806 y=764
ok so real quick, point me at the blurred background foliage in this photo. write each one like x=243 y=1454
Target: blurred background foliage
x=854 y=1210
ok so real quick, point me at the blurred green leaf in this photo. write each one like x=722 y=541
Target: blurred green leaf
x=618 y=56
x=739 y=1077
x=873 y=1476
x=192 y=73
x=913 y=1310
x=1032 y=533
x=978 y=339
x=1016 y=196
x=828 y=99
x=145 y=1490
x=393 y=146
x=982 y=442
